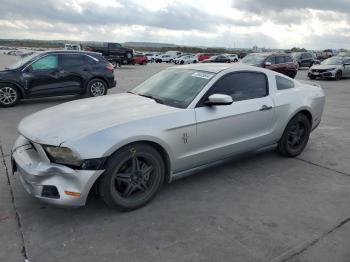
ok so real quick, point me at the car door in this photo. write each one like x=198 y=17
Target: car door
x=347 y=67
x=115 y=49
x=221 y=59
x=244 y=125
x=74 y=69
x=43 y=77
x=271 y=63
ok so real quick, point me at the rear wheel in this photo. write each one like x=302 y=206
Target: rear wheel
x=97 y=87
x=312 y=77
x=292 y=74
x=133 y=177
x=9 y=95
x=295 y=136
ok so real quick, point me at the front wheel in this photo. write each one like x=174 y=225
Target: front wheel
x=295 y=136
x=97 y=87
x=133 y=176
x=338 y=75
x=9 y=95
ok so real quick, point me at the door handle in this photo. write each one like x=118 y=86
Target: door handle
x=265 y=107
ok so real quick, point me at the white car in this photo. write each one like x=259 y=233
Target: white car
x=150 y=57
x=179 y=121
x=233 y=57
x=334 y=67
x=186 y=59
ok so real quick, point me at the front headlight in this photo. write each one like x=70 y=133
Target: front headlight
x=63 y=155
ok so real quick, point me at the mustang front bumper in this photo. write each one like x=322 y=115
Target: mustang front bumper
x=52 y=183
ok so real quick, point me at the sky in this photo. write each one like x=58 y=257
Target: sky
x=313 y=24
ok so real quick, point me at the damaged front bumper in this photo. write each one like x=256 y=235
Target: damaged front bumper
x=52 y=183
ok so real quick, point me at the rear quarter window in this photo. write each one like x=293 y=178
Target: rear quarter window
x=284 y=83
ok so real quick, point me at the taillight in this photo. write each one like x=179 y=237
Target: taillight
x=109 y=67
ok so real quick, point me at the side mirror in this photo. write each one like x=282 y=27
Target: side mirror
x=268 y=63
x=219 y=100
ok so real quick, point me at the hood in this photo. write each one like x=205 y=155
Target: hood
x=324 y=66
x=58 y=124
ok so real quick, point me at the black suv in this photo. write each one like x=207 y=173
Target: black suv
x=56 y=73
x=305 y=59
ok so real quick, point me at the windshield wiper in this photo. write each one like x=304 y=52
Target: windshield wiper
x=158 y=100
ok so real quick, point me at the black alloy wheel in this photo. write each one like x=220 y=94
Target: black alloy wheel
x=295 y=136
x=133 y=177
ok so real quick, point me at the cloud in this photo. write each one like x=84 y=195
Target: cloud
x=259 y=7
x=242 y=23
x=174 y=16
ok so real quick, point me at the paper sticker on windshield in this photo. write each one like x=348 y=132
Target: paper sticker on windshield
x=202 y=75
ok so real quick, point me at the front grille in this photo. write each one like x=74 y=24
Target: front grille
x=319 y=70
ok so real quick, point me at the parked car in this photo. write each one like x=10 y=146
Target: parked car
x=282 y=63
x=203 y=56
x=165 y=58
x=233 y=57
x=56 y=73
x=327 y=53
x=217 y=59
x=150 y=57
x=344 y=54
x=76 y=47
x=305 y=59
x=178 y=121
x=140 y=59
x=113 y=52
x=186 y=59
x=334 y=67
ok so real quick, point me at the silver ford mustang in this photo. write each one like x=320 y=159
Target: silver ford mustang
x=175 y=123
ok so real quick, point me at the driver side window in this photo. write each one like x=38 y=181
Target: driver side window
x=49 y=62
x=242 y=86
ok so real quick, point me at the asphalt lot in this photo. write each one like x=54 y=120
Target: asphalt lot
x=261 y=208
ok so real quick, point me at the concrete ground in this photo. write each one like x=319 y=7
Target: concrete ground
x=262 y=208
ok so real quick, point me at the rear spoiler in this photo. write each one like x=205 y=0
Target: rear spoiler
x=309 y=83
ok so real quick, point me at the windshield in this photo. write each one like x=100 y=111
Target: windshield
x=295 y=55
x=333 y=61
x=174 y=87
x=22 y=61
x=253 y=59
x=347 y=53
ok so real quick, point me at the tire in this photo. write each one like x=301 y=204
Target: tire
x=122 y=188
x=312 y=77
x=295 y=136
x=338 y=75
x=171 y=60
x=9 y=95
x=292 y=74
x=299 y=65
x=97 y=87
x=128 y=55
x=182 y=62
